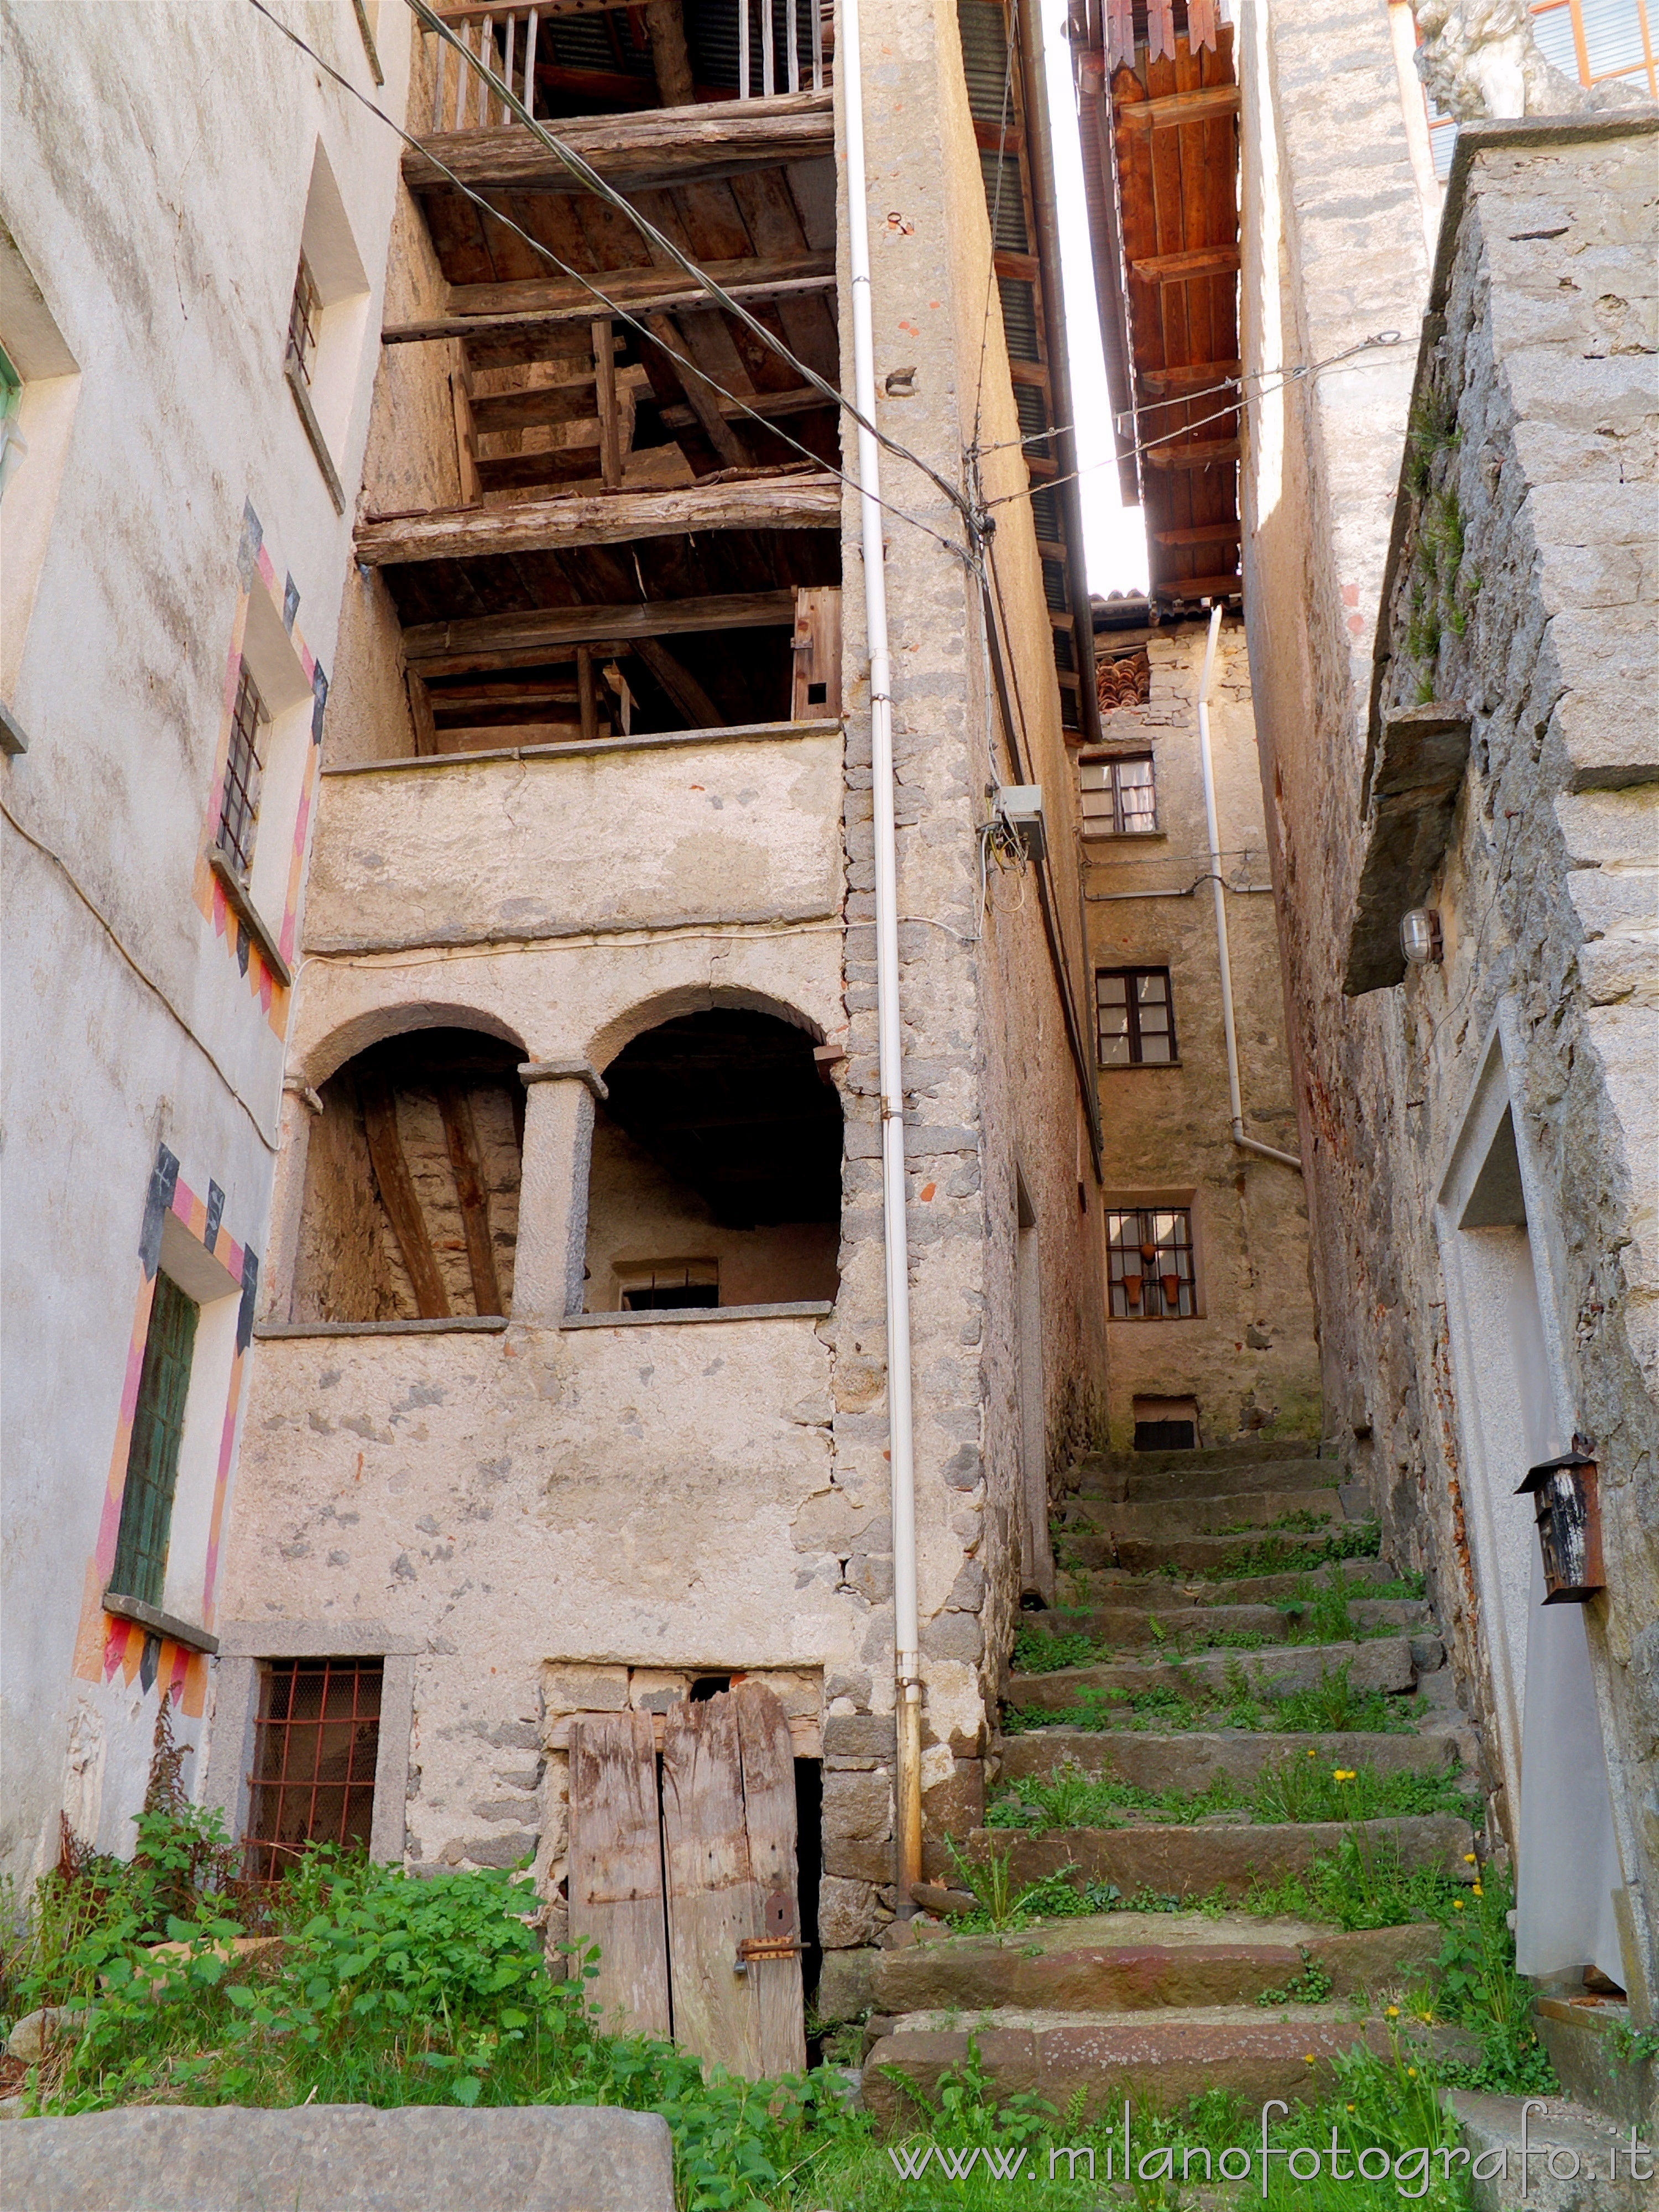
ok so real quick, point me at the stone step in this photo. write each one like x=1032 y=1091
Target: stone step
x=1106 y=2058
x=1167 y=1594
x=1239 y=1509
x=1135 y=1961
x=1126 y=1628
x=1201 y=1555
x=1253 y=1452
x=1384 y=1663
x=1220 y=1855
x=1193 y=1761
x=1141 y=1486
x=1594 y=2169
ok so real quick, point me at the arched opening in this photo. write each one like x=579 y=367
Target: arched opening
x=410 y=1208
x=716 y=1175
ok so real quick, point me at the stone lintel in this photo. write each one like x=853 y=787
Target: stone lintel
x=1415 y=775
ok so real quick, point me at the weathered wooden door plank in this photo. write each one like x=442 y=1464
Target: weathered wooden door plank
x=713 y=1901
x=769 y=1797
x=616 y=1873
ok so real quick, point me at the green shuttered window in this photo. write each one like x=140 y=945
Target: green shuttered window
x=158 y=1427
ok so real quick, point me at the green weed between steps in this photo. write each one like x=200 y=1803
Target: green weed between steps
x=1331 y=1705
x=390 y=1989
x=1308 y=1787
x=1389 y=2104
x=1316 y=1613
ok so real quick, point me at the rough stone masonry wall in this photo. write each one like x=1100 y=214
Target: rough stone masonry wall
x=1251 y=1358
x=1538 y=409
x=1334 y=257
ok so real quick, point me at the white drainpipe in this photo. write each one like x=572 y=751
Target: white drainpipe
x=1218 y=893
x=907 y=1656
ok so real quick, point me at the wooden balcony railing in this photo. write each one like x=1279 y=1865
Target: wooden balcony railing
x=771 y=55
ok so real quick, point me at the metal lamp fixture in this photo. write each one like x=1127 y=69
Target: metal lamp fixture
x=1564 y=1493
x=1419 y=936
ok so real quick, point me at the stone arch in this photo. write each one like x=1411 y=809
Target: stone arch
x=715 y=1177
x=409 y=1207
x=374 y=1026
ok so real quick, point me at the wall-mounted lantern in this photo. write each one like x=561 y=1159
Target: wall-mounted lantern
x=1420 y=939
x=1564 y=1493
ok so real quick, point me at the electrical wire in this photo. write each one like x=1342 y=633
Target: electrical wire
x=1169 y=437
x=623 y=314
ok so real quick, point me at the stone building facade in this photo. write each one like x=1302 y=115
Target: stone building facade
x=1449 y=595
x=174 y=521
x=568 y=1397
x=1235 y=1355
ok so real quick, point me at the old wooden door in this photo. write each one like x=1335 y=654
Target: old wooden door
x=615 y=1868
x=713 y=1950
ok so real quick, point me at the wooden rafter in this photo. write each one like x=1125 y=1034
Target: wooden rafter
x=700 y=392
x=466 y=1164
x=524 y=636
x=400 y=1197
x=635 y=151
x=811 y=502
x=680 y=685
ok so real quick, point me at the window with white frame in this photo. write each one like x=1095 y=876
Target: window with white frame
x=40 y=393
x=1151 y=1267
x=1120 y=795
x=327 y=322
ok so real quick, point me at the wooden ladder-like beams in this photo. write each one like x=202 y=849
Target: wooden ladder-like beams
x=466 y=1164
x=398 y=1195
x=811 y=502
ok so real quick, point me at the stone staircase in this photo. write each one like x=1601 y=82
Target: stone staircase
x=1186 y=1580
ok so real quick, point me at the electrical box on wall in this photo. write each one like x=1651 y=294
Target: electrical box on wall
x=1019 y=805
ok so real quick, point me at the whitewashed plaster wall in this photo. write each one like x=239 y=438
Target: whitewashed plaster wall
x=158 y=159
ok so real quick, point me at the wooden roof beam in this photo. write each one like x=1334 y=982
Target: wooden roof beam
x=553 y=628
x=556 y=525
x=1200 y=533
x=1179 y=268
x=1191 y=372
x=650 y=147
x=1201 y=453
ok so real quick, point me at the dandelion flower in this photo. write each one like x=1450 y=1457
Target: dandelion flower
x=1457 y=1904
x=1469 y=1858
x=1393 y=2012
x=1311 y=2059
x=1411 y=2073
x=1312 y=1752
x=1353 y=2108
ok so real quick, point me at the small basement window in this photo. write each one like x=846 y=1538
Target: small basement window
x=316 y=1742
x=1135 y=1018
x=158 y=1428
x=1120 y=796
x=1150 y=1263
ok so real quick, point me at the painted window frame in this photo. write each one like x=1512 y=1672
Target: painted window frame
x=1134 y=1035
x=144 y=1532
x=1114 y=821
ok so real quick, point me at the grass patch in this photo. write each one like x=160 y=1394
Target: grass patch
x=1330 y=1707
x=1306 y=1789
x=1353 y=1540
x=1320 y=1613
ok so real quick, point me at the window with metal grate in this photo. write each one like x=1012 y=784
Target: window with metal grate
x=316 y=1741
x=158 y=1428
x=244 y=768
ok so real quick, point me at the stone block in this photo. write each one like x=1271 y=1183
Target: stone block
x=844 y=1984
x=1488 y=2125
x=856 y=1858
x=857 y=1806
x=953 y=1806
x=655 y=1689
x=344 y=2158
x=953 y=1636
x=871 y=1576
x=859 y=1735
x=846 y=1912
x=584 y=1689
x=38 y=2030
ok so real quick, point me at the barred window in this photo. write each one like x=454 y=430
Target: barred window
x=316 y=1741
x=243 y=767
x=304 y=318
x=1149 y=1252
x=158 y=1428
x=1135 y=1017
x=1120 y=797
